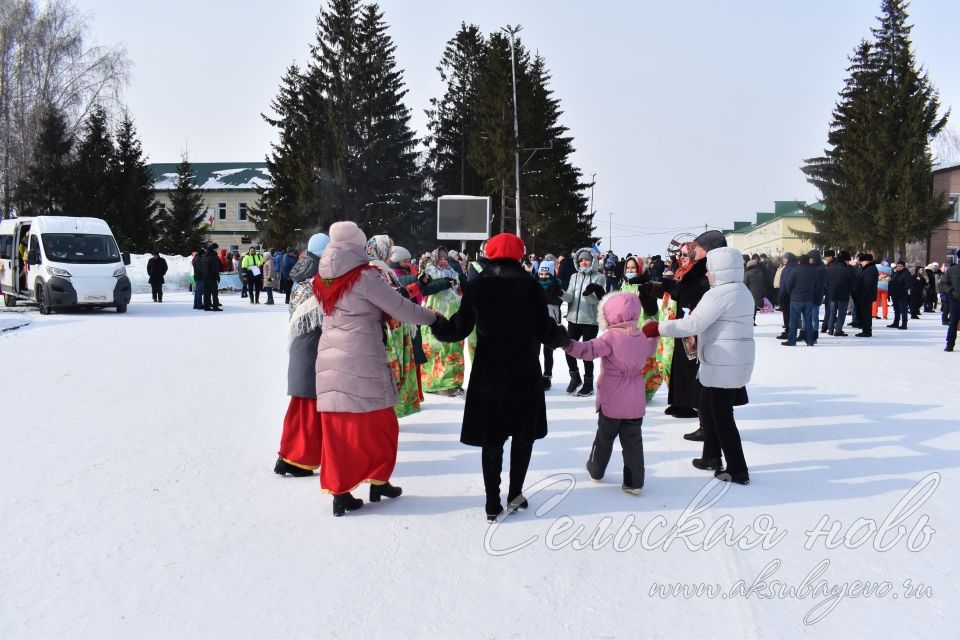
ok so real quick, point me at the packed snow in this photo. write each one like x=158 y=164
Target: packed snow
x=139 y=500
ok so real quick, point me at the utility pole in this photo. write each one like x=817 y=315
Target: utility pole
x=513 y=31
x=593 y=180
x=610 y=218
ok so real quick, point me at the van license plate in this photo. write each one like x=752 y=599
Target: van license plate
x=95 y=298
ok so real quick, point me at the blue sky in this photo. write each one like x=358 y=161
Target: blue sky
x=689 y=113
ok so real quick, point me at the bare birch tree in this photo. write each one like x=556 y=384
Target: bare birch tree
x=46 y=59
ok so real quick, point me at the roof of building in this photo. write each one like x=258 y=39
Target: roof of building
x=946 y=166
x=214 y=175
x=781 y=209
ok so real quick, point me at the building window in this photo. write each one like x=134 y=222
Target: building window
x=954 y=202
x=241 y=211
x=234 y=247
x=221 y=210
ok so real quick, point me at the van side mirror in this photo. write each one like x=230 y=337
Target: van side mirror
x=33 y=257
x=126 y=258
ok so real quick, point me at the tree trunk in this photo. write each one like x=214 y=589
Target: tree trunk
x=503 y=204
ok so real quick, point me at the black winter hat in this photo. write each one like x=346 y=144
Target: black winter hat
x=844 y=256
x=829 y=253
x=711 y=240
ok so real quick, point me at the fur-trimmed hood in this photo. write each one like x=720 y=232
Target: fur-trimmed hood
x=617 y=308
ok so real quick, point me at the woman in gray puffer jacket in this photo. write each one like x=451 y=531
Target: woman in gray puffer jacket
x=583 y=296
x=300 y=443
x=723 y=324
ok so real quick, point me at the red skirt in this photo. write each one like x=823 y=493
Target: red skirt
x=358 y=447
x=301 y=442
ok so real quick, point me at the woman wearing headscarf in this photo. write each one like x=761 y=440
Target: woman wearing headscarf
x=505 y=399
x=635 y=274
x=301 y=441
x=356 y=391
x=398 y=335
x=443 y=373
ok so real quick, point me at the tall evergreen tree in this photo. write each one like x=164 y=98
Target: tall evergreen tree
x=554 y=208
x=383 y=176
x=346 y=150
x=92 y=172
x=451 y=119
x=182 y=227
x=288 y=203
x=492 y=141
x=876 y=178
x=47 y=187
x=133 y=208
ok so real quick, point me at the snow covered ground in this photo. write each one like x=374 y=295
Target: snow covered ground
x=137 y=499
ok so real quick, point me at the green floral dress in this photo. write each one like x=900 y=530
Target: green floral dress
x=444 y=367
x=656 y=371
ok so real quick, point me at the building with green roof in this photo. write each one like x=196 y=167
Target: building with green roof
x=774 y=232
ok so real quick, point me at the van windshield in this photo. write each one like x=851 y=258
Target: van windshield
x=83 y=248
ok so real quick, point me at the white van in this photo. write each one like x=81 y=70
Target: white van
x=59 y=262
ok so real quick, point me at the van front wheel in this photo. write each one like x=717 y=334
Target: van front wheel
x=121 y=308
x=42 y=301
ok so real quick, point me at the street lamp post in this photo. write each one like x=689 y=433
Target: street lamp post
x=513 y=31
x=610 y=219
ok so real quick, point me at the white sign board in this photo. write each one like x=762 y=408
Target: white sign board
x=463 y=218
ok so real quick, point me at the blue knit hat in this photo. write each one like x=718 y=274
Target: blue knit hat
x=318 y=242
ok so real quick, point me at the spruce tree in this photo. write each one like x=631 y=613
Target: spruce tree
x=876 y=178
x=46 y=190
x=288 y=203
x=133 y=208
x=492 y=141
x=182 y=227
x=451 y=119
x=382 y=172
x=92 y=173
x=554 y=206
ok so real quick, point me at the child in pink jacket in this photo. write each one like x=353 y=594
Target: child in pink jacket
x=623 y=349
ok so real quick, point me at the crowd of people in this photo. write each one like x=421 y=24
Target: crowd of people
x=371 y=330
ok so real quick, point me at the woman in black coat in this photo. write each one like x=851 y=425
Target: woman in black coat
x=505 y=392
x=917 y=288
x=683 y=395
x=156 y=269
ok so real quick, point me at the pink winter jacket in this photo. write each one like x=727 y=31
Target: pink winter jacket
x=352 y=371
x=623 y=350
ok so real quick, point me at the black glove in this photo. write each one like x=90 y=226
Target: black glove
x=645 y=287
x=439 y=325
x=593 y=289
x=453 y=282
x=560 y=339
x=423 y=279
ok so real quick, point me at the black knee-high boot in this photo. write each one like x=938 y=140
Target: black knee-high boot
x=520 y=453
x=492 y=460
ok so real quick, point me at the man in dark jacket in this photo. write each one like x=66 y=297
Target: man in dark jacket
x=289 y=260
x=841 y=281
x=950 y=285
x=156 y=269
x=197 y=264
x=865 y=293
x=754 y=278
x=505 y=397
x=805 y=286
x=566 y=269
x=786 y=282
x=210 y=269
x=899 y=290
x=475 y=268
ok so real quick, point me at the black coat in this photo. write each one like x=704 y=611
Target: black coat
x=866 y=288
x=900 y=283
x=756 y=283
x=210 y=266
x=156 y=269
x=841 y=280
x=918 y=285
x=690 y=289
x=685 y=388
x=505 y=393
x=807 y=283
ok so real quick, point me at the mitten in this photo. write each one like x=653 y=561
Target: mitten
x=651 y=329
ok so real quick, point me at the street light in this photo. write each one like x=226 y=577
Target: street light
x=610 y=219
x=513 y=31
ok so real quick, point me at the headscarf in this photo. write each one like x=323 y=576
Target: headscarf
x=434 y=270
x=378 y=250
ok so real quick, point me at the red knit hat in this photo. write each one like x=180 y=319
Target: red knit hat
x=505 y=245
